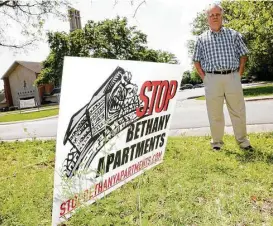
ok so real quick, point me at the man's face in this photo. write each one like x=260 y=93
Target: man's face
x=215 y=18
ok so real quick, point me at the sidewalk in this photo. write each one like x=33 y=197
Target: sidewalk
x=268 y=97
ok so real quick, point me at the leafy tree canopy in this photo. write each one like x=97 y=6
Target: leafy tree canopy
x=112 y=39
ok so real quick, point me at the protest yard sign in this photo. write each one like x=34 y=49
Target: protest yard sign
x=113 y=125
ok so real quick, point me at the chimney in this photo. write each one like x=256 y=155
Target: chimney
x=74 y=19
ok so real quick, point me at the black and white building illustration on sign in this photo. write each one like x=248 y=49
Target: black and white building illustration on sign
x=111 y=109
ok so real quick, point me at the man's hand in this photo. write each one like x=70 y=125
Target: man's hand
x=241 y=70
x=243 y=60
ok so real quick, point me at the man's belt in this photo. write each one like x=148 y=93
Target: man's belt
x=221 y=72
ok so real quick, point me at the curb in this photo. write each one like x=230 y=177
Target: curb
x=205 y=131
x=30 y=139
x=32 y=120
x=194 y=97
x=265 y=98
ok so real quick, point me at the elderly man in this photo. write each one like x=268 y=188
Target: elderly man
x=220 y=57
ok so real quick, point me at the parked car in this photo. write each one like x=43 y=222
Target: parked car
x=246 y=80
x=186 y=86
x=199 y=85
x=55 y=91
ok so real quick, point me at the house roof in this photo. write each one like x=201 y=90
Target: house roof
x=33 y=66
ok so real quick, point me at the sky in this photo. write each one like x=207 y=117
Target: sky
x=167 y=24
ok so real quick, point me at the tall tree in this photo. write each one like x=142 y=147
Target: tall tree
x=186 y=78
x=28 y=17
x=112 y=39
x=253 y=19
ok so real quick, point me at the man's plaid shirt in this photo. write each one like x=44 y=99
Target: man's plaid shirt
x=219 y=51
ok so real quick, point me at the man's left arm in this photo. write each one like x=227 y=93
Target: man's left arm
x=243 y=60
x=242 y=52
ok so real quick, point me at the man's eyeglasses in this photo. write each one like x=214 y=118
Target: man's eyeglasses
x=215 y=15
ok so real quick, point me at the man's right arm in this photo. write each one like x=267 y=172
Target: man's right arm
x=199 y=69
x=197 y=55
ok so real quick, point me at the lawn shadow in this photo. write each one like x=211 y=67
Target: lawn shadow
x=245 y=156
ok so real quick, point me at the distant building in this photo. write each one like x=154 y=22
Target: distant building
x=20 y=78
x=74 y=19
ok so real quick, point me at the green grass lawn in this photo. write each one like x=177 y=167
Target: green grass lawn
x=193 y=186
x=256 y=91
x=28 y=116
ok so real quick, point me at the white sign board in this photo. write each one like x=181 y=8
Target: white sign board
x=113 y=124
x=27 y=98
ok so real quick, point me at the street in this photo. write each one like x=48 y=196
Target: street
x=182 y=95
x=189 y=113
x=193 y=114
x=41 y=128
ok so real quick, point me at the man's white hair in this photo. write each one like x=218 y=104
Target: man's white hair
x=212 y=6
